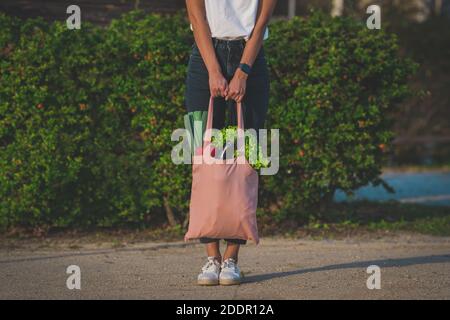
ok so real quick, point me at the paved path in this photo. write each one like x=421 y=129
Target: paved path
x=411 y=267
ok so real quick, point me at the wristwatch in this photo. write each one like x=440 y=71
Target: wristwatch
x=245 y=68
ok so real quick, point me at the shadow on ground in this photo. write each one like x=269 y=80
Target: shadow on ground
x=384 y=263
x=99 y=252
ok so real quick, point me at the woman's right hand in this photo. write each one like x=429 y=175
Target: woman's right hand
x=218 y=85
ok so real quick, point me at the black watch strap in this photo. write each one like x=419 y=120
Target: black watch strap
x=245 y=68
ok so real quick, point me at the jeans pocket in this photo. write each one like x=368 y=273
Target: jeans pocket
x=259 y=67
x=195 y=51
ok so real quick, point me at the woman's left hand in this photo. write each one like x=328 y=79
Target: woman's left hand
x=237 y=86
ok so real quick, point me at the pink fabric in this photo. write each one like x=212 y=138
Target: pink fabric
x=199 y=151
x=224 y=195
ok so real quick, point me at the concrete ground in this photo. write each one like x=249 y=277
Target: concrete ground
x=412 y=267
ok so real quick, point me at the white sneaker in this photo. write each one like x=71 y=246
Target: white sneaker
x=230 y=273
x=210 y=273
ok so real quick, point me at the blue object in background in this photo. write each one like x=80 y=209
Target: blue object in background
x=430 y=188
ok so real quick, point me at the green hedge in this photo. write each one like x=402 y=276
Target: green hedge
x=86 y=116
x=333 y=83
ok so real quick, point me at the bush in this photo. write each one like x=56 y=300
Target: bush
x=49 y=166
x=148 y=63
x=427 y=114
x=86 y=116
x=333 y=81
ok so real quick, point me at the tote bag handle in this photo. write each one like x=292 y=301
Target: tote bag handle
x=240 y=126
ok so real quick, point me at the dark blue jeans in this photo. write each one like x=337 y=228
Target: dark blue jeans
x=256 y=99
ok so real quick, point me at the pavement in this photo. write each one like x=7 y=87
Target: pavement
x=411 y=267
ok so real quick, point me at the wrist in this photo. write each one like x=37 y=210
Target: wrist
x=214 y=70
x=245 y=68
x=241 y=74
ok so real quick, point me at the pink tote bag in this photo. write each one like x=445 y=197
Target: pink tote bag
x=224 y=194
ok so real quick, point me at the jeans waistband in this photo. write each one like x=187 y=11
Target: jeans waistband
x=229 y=43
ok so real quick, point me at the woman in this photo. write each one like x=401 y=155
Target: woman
x=228 y=63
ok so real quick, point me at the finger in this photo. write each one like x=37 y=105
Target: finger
x=238 y=95
x=242 y=95
x=223 y=90
x=226 y=89
x=229 y=94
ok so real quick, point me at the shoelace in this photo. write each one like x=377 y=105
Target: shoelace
x=209 y=265
x=229 y=263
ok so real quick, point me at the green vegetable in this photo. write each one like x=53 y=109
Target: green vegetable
x=251 y=148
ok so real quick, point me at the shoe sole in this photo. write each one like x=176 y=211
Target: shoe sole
x=207 y=282
x=228 y=282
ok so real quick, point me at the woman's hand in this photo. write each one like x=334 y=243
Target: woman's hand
x=238 y=85
x=218 y=85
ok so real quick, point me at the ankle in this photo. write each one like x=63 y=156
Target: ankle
x=231 y=257
x=218 y=258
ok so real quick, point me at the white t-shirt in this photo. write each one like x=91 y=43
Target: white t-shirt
x=232 y=19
